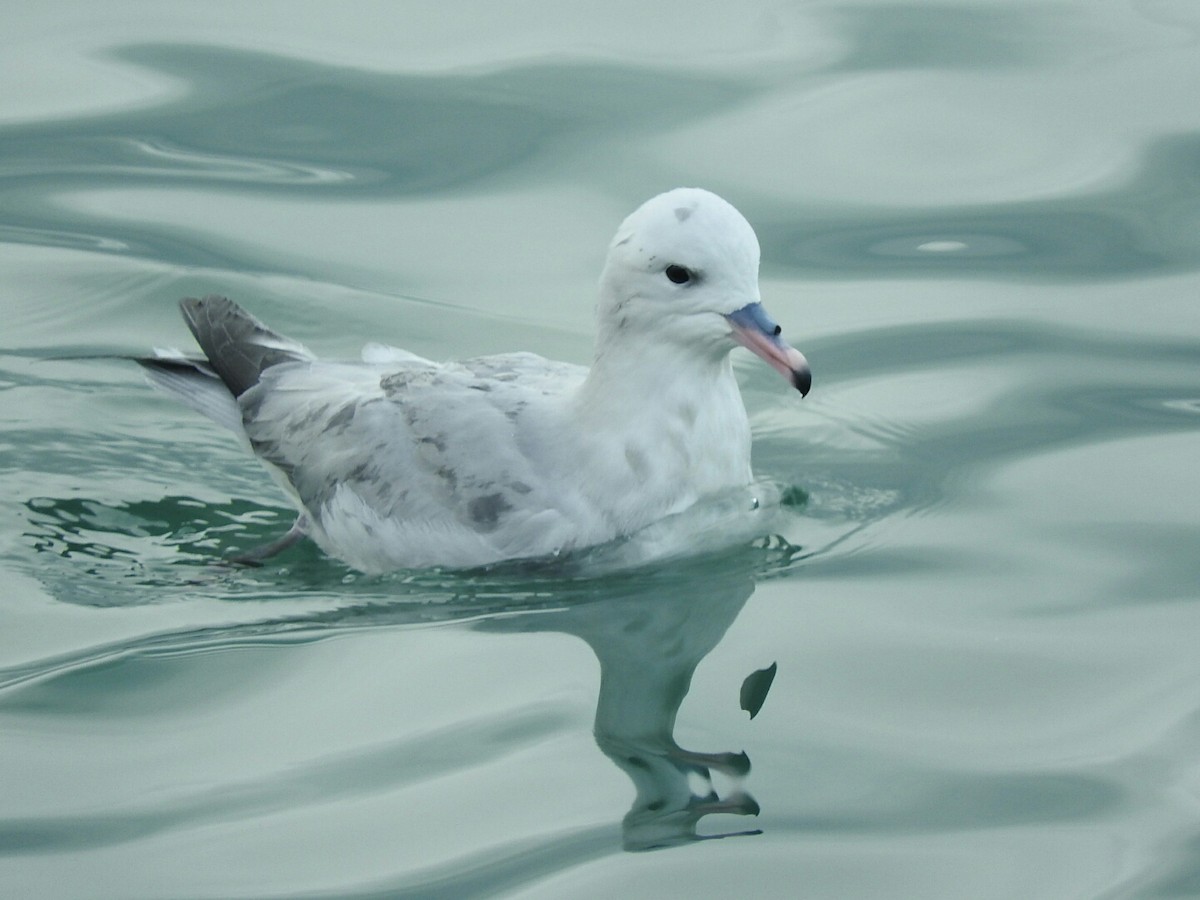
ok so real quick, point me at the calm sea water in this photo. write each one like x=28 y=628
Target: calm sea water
x=981 y=222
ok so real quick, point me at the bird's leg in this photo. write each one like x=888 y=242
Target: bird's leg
x=255 y=555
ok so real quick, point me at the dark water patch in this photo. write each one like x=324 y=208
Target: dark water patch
x=951 y=36
x=55 y=235
x=266 y=122
x=359 y=773
x=1158 y=561
x=1064 y=389
x=257 y=122
x=489 y=872
x=136 y=688
x=32 y=220
x=873 y=560
x=99 y=454
x=68 y=526
x=95 y=553
x=1174 y=873
x=936 y=802
x=905 y=348
x=1147 y=225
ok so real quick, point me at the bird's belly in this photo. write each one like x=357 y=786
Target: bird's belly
x=353 y=531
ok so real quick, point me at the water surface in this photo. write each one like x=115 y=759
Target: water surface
x=980 y=221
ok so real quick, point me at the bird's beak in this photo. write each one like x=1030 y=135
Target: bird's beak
x=756 y=331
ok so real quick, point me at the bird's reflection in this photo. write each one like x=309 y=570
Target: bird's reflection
x=649 y=629
x=649 y=635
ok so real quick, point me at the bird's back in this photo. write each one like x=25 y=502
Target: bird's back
x=415 y=463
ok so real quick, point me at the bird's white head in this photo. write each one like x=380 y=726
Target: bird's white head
x=683 y=270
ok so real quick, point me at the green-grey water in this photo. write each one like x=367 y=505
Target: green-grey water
x=981 y=223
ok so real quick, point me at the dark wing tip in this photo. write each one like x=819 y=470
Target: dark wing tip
x=238 y=346
x=202 y=313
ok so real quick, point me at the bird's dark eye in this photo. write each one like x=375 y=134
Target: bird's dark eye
x=678 y=274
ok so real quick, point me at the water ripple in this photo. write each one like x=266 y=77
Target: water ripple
x=1145 y=225
x=361 y=772
x=275 y=122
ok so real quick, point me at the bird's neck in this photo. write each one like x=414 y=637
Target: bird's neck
x=640 y=376
x=664 y=427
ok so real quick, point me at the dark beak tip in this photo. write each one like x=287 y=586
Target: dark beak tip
x=802 y=379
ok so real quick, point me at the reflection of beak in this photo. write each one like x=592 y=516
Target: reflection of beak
x=755 y=330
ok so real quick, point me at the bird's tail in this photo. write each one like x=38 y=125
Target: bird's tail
x=239 y=347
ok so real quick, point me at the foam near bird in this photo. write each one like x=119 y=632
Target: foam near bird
x=399 y=462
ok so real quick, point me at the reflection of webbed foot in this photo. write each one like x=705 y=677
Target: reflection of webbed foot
x=663 y=823
x=675 y=791
x=734 y=765
x=738 y=803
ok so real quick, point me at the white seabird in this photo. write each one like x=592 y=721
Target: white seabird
x=399 y=462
